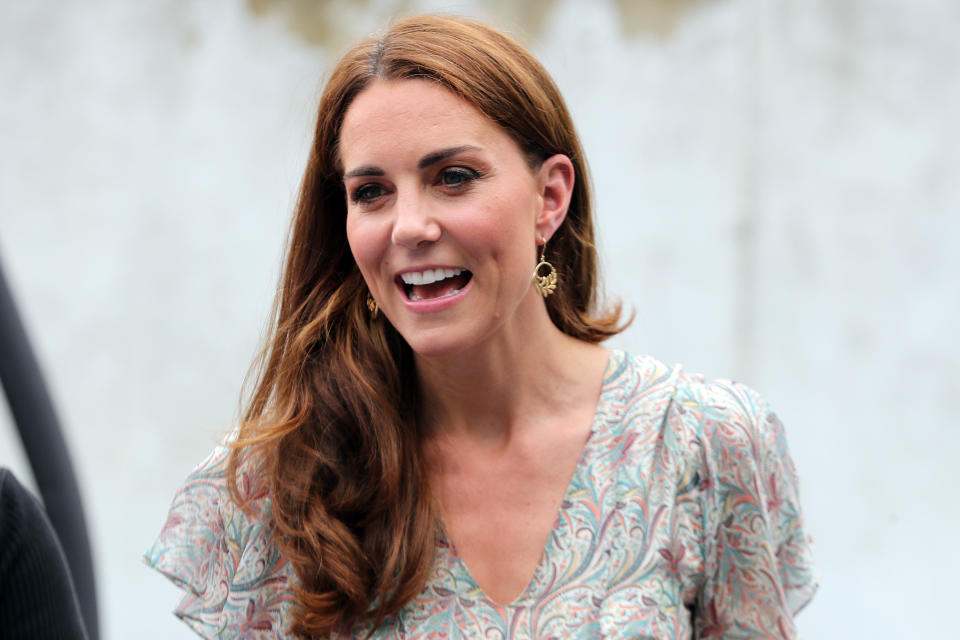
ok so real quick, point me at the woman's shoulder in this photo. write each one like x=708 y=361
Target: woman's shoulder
x=735 y=431
x=722 y=433
x=221 y=555
x=641 y=386
x=636 y=386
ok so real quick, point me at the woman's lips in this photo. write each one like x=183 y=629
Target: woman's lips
x=440 y=291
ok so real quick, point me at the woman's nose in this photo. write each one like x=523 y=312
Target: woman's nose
x=414 y=224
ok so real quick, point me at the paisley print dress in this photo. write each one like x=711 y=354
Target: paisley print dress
x=682 y=520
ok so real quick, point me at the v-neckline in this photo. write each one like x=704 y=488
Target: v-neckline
x=610 y=374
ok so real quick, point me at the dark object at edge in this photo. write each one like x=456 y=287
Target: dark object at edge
x=46 y=450
x=38 y=599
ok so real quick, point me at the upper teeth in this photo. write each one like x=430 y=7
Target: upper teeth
x=428 y=276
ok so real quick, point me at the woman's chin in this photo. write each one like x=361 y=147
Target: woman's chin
x=435 y=347
x=440 y=341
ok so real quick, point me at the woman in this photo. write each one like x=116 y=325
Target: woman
x=425 y=405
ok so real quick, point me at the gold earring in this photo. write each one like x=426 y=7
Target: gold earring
x=372 y=306
x=545 y=285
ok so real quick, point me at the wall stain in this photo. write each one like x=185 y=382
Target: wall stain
x=658 y=18
x=326 y=23
x=530 y=16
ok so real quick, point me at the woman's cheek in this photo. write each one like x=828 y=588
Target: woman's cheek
x=359 y=238
x=369 y=241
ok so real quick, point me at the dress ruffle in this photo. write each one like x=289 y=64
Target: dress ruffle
x=236 y=583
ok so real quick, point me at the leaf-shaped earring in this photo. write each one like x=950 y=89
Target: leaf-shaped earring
x=545 y=285
x=372 y=306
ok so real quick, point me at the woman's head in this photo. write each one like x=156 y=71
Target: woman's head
x=443 y=211
x=500 y=79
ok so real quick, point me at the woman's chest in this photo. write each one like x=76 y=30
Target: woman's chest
x=498 y=521
x=499 y=509
x=623 y=559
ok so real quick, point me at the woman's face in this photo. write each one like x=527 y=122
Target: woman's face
x=443 y=213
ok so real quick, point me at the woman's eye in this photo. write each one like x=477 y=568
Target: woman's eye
x=367 y=193
x=457 y=177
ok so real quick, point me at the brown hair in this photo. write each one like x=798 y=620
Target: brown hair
x=331 y=425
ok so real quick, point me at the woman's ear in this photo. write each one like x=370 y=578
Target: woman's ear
x=555 y=182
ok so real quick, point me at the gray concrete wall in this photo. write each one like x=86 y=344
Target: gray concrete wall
x=777 y=191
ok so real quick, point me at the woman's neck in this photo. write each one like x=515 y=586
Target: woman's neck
x=499 y=388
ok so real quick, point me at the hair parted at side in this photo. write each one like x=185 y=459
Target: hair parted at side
x=330 y=430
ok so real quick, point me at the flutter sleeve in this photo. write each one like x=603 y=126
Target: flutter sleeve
x=759 y=568
x=235 y=582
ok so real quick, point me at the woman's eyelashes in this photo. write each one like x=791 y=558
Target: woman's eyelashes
x=449 y=179
x=457 y=177
x=367 y=193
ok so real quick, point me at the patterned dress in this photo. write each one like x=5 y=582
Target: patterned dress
x=682 y=520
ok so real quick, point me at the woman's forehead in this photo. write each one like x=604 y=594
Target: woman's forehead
x=390 y=117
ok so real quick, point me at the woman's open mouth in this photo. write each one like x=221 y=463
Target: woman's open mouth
x=430 y=284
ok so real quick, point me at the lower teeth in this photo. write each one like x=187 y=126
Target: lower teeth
x=414 y=297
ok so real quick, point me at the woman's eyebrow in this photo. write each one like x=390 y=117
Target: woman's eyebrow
x=425 y=161
x=366 y=170
x=443 y=154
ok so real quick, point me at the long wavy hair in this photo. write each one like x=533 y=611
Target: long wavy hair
x=331 y=428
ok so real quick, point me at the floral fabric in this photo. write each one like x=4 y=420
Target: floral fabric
x=682 y=520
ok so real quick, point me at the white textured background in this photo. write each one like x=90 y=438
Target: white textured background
x=778 y=191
